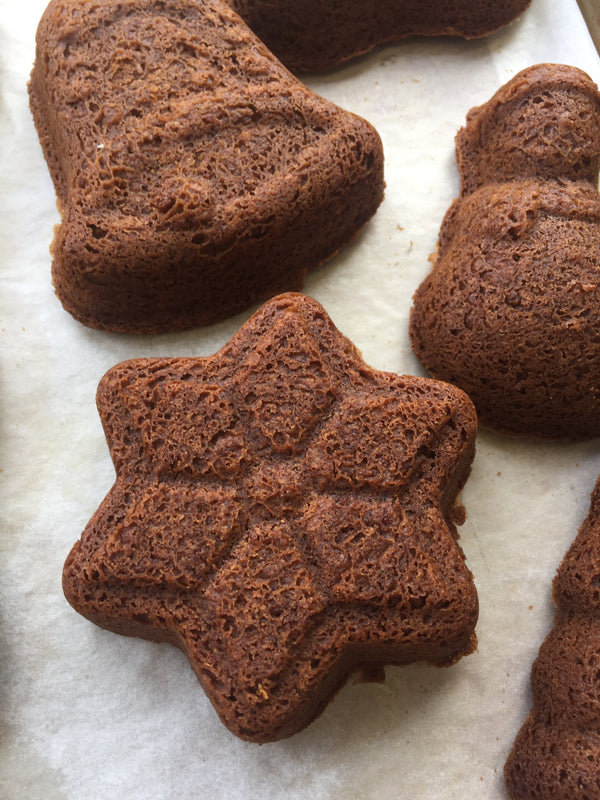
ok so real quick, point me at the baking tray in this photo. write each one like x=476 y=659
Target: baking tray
x=591 y=14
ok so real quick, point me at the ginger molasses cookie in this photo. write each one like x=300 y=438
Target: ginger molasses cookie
x=510 y=311
x=194 y=174
x=284 y=514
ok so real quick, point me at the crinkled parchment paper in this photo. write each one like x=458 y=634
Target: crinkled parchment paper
x=90 y=714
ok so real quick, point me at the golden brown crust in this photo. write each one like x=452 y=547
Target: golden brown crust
x=194 y=174
x=511 y=310
x=312 y=35
x=284 y=514
x=556 y=755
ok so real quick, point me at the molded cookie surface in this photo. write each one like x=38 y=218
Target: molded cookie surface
x=282 y=513
x=556 y=755
x=316 y=35
x=194 y=174
x=511 y=309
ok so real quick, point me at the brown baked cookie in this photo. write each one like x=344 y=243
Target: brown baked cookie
x=194 y=174
x=511 y=309
x=284 y=514
x=315 y=35
x=556 y=755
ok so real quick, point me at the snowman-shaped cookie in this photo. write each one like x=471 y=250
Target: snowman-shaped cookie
x=511 y=309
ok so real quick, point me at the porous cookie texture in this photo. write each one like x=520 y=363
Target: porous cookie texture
x=314 y=35
x=284 y=514
x=510 y=311
x=556 y=755
x=195 y=175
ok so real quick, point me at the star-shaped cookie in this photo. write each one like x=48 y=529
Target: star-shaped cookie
x=284 y=514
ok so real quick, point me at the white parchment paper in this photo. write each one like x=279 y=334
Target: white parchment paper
x=90 y=714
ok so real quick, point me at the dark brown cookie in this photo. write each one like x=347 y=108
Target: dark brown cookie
x=314 y=35
x=556 y=755
x=194 y=174
x=284 y=514
x=511 y=309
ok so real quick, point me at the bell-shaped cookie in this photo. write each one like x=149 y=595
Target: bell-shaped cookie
x=195 y=175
